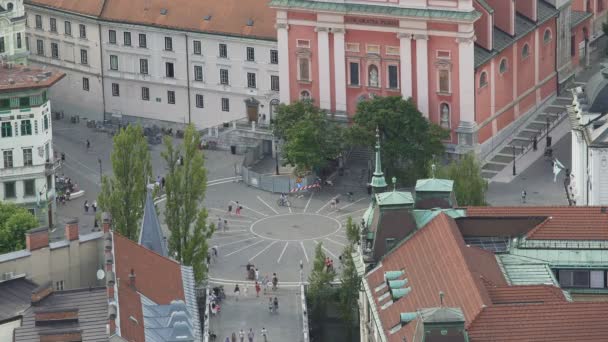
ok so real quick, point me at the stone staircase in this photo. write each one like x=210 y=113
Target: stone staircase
x=538 y=125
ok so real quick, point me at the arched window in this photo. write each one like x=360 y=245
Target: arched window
x=373 y=77
x=547 y=36
x=9 y=6
x=444 y=115
x=483 y=79
x=525 y=51
x=503 y=66
x=305 y=95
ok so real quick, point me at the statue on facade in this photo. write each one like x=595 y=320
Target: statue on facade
x=373 y=76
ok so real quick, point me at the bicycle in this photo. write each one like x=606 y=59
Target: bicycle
x=283 y=202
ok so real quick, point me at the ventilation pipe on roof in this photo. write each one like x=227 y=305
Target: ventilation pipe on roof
x=132 y=278
x=111 y=312
x=406 y=317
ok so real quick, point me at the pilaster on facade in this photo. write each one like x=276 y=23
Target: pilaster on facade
x=405 y=52
x=323 y=63
x=283 y=47
x=422 y=74
x=340 y=71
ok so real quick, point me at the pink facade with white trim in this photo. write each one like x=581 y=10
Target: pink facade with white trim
x=446 y=55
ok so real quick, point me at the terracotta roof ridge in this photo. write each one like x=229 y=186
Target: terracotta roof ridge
x=146 y=249
x=532 y=231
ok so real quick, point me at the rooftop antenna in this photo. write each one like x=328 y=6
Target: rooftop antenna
x=441 y=295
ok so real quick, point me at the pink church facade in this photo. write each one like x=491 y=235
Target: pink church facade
x=471 y=66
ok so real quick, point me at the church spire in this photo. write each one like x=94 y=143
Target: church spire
x=378 y=181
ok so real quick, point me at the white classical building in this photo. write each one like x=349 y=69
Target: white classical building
x=589 y=119
x=28 y=167
x=184 y=61
x=12 y=31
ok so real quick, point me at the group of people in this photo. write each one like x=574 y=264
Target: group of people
x=160 y=182
x=250 y=335
x=237 y=208
x=329 y=264
x=67 y=188
x=92 y=206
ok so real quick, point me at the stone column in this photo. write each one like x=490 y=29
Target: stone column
x=323 y=62
x=283 y=46
x=466 y=85
x=405 y=52
x=422 y=74
x=339 y=71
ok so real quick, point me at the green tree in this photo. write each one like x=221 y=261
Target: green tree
x=311 y=139
x=408 y=140
x=124 y=193
x=319 y=289
x=185 y=189
x=352 y=231
x=349 y=291
x=469 y=186
x=15 y=221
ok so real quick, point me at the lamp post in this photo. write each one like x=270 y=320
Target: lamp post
x=514 y=169
x=100 y=172
x=276 y=155
x=548 y=136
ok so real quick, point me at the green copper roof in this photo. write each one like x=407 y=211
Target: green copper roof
x=394 y=11
x=398 y=293
x=395 y=284
x=520 y=270
x=588 y=258
x=368 y=216
x=393 y=275
x=394 y=198
x=434 y=185
x=422 y=217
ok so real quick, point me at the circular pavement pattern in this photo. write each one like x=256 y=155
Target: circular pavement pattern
x=295 y=227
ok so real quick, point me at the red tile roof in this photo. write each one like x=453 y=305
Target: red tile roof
x=483 y=264
x=156 y=277
x=87 y=7
x=434 y=261
x=526 y=294
x=18 y=77
x=561 y=223
x=555 y=322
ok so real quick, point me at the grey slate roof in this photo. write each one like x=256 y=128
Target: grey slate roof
x=523 y=26
x=92 y=305
x=577 y=17
x=151 y=234
x=15 y=297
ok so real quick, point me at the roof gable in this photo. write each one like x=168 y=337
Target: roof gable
x=150 y=234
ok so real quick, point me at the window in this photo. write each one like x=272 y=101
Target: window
x=168 y=44
x=29 y=188
x=113 y=62
x=45 y=122
x=112 y=36
x=7 y=130
x=547 y=36
x=18 y=40
x=274 y=57
x=274 y=83
x=198 y=73
x=525 y=51
x=142 y=40
x=49 y=182
x=251 y=83
x=200 y=103
x=143 y=66
x=39 y=47
x=83 y=30
x=305 y=95
x=304 y=69
x=53 y=24
x=393 y=77
x=574 y=278
x=483 y=79
x=373 y=76
x=223 y=51
x=27 y=43
x=443 y=81
x=9 y=190
x=26 y=127
x=354 y=73
x=197 y=47
x=597 y=279
x=126 y=39
x=169 y=71
x=84 y=57
x=9 y=6
x=115 y=89
x=145 y=93
x=67 y=28
x=573 y=45
x=2 y=45
x=85 y=84
x=390 y=243
x=224 y=77
x=54 y=50
x=27 y=157
x=444 y=115
x=502 y=68
x=38 y=22
x=8 y=159
x=170 y=97
x=59 y=285
x=225 y=104
x=250 y=54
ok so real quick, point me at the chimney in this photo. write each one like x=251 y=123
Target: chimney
x=41 y=292
x=37 y=238
x=71 y=229
x=106 y=222
x=132 y=278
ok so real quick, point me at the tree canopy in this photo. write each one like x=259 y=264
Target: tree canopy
x=311 y=139
x=124 y=193
x=408 y=140
x=469 y=186
x=15 y=221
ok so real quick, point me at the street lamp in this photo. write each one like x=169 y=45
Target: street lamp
x=514 y=170
x=276 y=155
x=100 y=173
x=548 y=136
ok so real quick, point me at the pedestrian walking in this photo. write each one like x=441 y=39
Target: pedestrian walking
x=225 y=225
x=86 y=206
x=88 y=145
x=208 y=258
x=220 y=223
x=257 y=289
x=237 y=292
x=94 y=206
x=523 y=196
x=233 y=337
x=162 y=183
x=275 y=281
x=257 y=275
x=250 y=335
x=242 y=335
x=535 y=143
x=230 y=209
x=264 y=334
x=238 y=209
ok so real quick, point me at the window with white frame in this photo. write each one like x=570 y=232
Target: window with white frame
x=197 y=47
x=54 y=50
x=170 y=97
x=113 y=62
x=200 y=101
x=67 y=28
x=444 y=115
x=223 y=50
x=250 y=54
x=198 y=73
x=53 y=25
x=18 y=40
x=84 y=57
x=304 y=95
x=126 y=39
x=83 y=30
x=393 y=76
x=225 y=104
x=251 y=81
x=169 y=70
x=304 y=68
x=143 y=40
x=274 y=57
x=274 y=83
x=145 y=93
x=224 y=77
x=112 y=36
x=115 y=89
x=85 y=84
x=143 y=66
x=443 y=80
x=38 y=22
x=353 y=69
x=483 y=79
x=168 y=44
x=40 y=47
